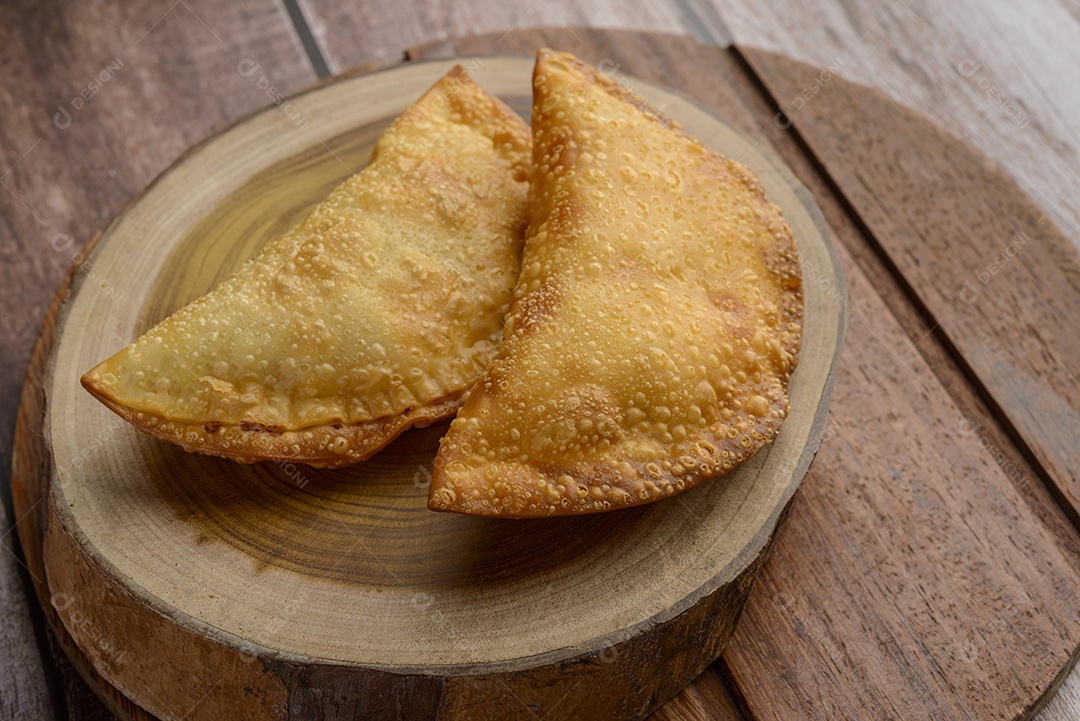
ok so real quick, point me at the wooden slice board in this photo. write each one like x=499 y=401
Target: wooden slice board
x=189 y=587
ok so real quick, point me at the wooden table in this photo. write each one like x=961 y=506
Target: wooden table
x=99 y=99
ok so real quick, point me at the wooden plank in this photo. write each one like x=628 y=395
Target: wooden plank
x=1018 y=107
x=350 y=34
x=990 y=437
x=924 y=626
x=24 y=694
x=975 y=420
x=157 y=82
x=1065 y=704
x=996 y=275
x=79 y=702
x=707 y=699
x=96 y=100
x=1000 y=75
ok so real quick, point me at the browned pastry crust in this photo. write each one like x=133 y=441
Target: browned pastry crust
x=325 y=446
x=654 y=327
x=378 y=312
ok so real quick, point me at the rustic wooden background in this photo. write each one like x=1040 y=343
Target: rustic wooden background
x=97 y=98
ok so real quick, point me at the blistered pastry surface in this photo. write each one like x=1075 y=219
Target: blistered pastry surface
x=385 y=303
x=654 y=327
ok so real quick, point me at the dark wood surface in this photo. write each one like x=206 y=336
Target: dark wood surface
x=158 y=554
x=931 y=204
x=166 y=78
x=911 y=409
x=885 y=566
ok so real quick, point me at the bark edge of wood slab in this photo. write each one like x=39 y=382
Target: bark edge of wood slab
x=196 y=588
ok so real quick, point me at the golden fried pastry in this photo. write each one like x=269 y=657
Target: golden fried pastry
x=653 y=329
x=378 y=312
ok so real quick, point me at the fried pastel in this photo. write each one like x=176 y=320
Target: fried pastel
x=378 y=312
x=653 y=329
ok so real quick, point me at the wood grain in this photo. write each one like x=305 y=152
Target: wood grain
x=1018 y=107
x=707 y=699
x=194 y=602
x=23 y=693
x=983 y=300
x=969 y=424
x=813 y=633
x=999 y=75
x=992 y=74
x=1064 y=703
x=349 y=35
x=985 y=261
x=163 y=80
x=899 y=54
x=968 y=398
